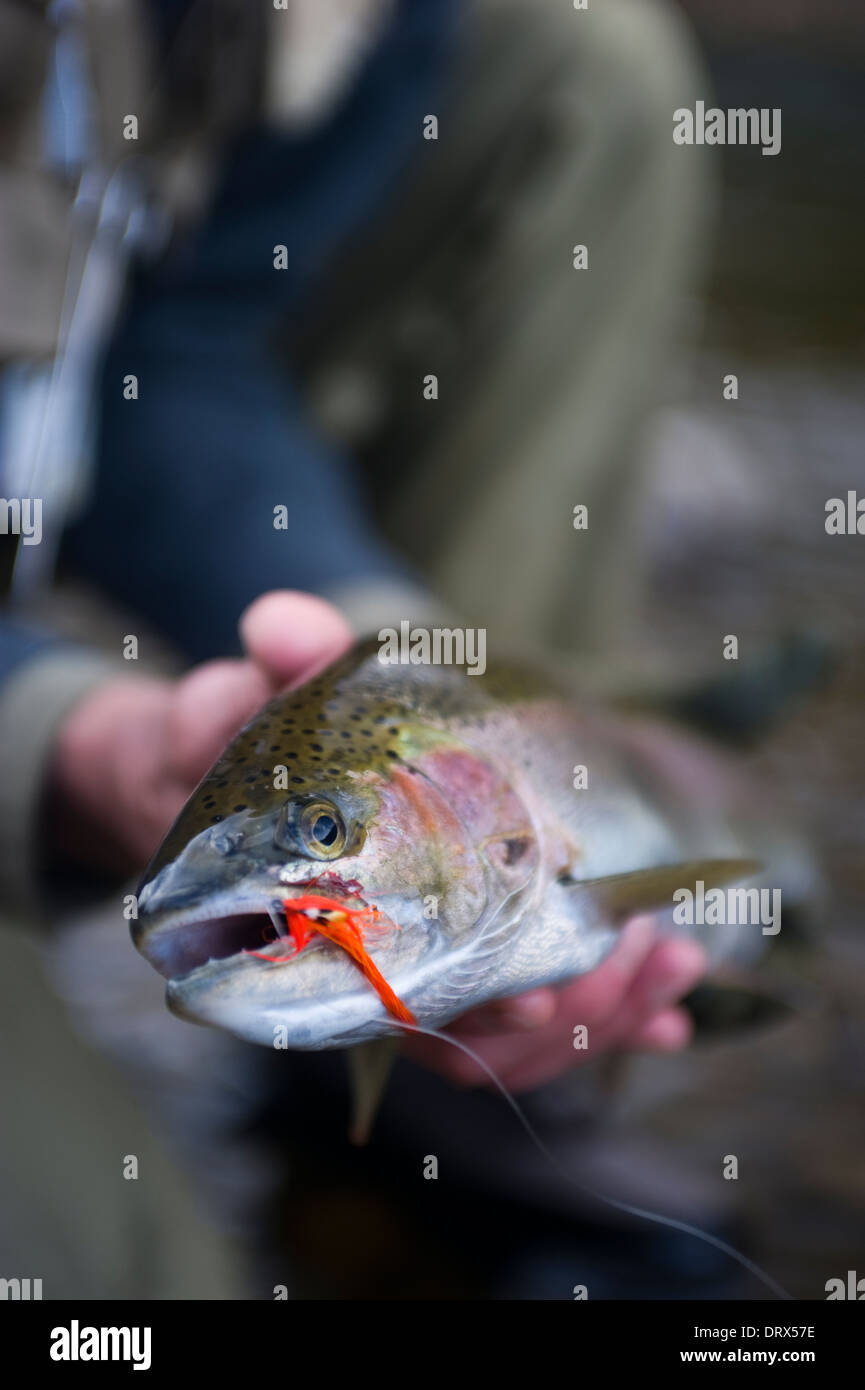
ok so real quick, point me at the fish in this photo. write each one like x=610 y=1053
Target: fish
x=392 y=843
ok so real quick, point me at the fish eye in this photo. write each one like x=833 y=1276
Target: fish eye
x=323 y=830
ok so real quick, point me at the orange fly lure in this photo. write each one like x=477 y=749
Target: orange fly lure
x=344 y=926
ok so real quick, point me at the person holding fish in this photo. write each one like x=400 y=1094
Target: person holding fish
x=190 y=595
x=258 y=301
x=131 y=753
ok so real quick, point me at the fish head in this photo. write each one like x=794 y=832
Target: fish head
x=337 y=789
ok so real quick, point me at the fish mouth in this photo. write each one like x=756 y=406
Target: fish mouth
x=186 y=946
x=233 y=964
x=187 y=940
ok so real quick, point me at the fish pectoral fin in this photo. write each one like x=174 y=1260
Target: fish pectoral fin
x=369 y=1067
x=619 y=896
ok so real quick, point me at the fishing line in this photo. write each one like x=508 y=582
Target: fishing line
x=641 y=1212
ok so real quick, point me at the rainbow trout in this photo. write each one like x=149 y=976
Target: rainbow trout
x=411 y=838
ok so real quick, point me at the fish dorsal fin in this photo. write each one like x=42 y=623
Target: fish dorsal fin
x=369 y=1067
x=619 y=896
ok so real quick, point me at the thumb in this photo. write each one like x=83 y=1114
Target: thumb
x=293 y=635
x=209 y=706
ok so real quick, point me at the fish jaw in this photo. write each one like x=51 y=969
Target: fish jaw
x=218 y=974
x=226 y=966
x=283 y=1005
x=220 y=971
x=317 y=999
x=223 y=874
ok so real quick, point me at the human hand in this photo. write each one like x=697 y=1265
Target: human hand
x=628 y=1003
x=131 y=752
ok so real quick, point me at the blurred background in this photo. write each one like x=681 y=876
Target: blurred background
x=735 y=534
x=728 y=537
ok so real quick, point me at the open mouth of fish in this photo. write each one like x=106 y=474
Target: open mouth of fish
x=322 y=975
x=191 y=939
x=201 y=941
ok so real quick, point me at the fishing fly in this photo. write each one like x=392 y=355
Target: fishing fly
x=313 y=913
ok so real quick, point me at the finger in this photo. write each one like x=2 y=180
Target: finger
x=292 y=635
x=669 y=971
x=616 y=1012
x=524 y=1056
x=520 y=1055
x=448 y=1061
x=594 y=998
x=668 y=1031
x=545 y=1049
x=210 y=705
x=529 y=1010
x=521 y=1059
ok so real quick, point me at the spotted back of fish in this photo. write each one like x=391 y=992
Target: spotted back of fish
x=358 y=715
